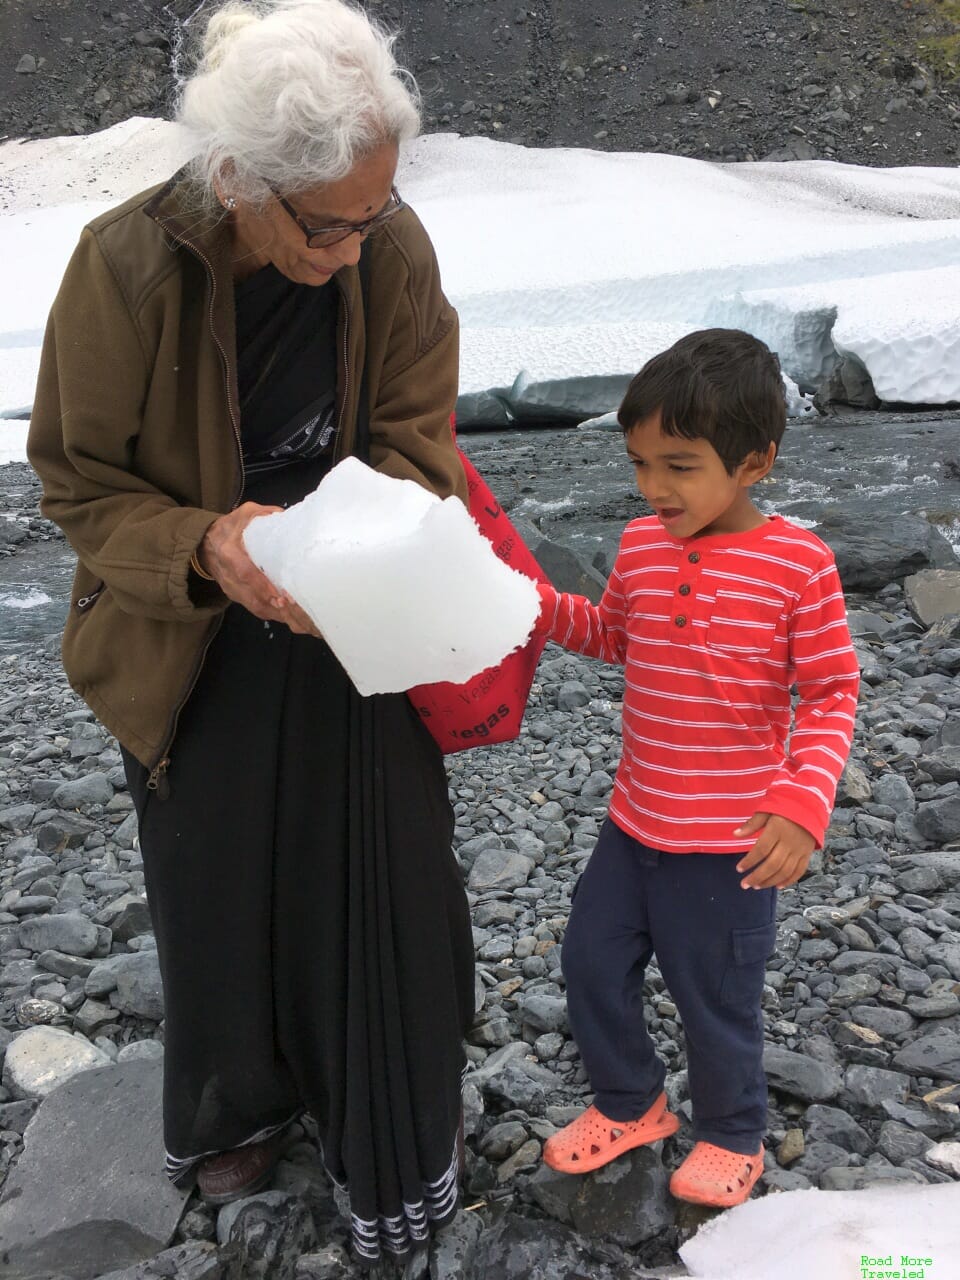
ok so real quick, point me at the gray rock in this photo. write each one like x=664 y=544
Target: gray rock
x=511 y=1078
x=91 y=1016
x=945 y=1156
x=92 y=788
x=947 y=954
x=17 y=817
x=936 y=1053
x=332 y=1262
x=554 y=1192
x=544 y=1013
x=898 y=1142
x=503 y=1140
x=868 y=1087
x=64 y=831
x=454 y=1248
x=942 y=1005
x=270 y=1231
x=526 y=1249
x=935 y=1124
x=870 y=558
x=71 y=933
x=140 y=1049
x=939 y=820
x=859 y=1179
x=571 y=695
x=89 y=1193
x=819 y=1156
x=889 y=1023
x=933 y=594
x=499 y=869
x=625 y=1201
x=139 y=987
x=800 y=1076
x=130 y=919
x=831 y=1124
x=27 y=66
x=193 y=1260
x=40 y=1060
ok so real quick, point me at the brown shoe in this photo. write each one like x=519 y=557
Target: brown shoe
x=231 y=1175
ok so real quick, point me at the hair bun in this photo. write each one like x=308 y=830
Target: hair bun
x=221 y=31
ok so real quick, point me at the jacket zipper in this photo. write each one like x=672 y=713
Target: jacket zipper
x=158 y=780
x=338 y=444
x=86 y=602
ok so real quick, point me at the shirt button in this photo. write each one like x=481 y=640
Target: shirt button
x=684 y=588
x=680 y=620
x=694 y=557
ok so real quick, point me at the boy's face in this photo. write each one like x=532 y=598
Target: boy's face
x=687 y=485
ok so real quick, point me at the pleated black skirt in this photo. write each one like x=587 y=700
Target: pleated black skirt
x=312 y=929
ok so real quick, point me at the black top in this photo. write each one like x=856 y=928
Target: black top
x=286 y=369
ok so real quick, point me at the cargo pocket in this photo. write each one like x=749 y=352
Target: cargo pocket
x=742 y=982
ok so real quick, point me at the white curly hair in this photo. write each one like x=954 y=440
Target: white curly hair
x=291 y=94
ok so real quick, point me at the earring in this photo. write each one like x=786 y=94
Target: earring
x=230 y=203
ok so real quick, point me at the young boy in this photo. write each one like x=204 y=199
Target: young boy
x=716 y=611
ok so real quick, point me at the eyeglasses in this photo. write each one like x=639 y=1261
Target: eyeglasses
x=323 y=237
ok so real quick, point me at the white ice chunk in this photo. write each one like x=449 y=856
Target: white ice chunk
x=404 y=587
x=798 y=406
x=827 y=1234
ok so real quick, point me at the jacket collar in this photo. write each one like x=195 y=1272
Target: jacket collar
x=188 y=219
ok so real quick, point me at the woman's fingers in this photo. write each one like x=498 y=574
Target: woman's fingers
x=224 y=556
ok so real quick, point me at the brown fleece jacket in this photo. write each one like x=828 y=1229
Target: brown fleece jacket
x=135 y=432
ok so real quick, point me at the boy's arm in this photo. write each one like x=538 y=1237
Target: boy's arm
x=597 y=630
x=828 y=680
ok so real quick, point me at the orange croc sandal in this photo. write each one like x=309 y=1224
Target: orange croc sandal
x=715 y=1176
x=593 y=1140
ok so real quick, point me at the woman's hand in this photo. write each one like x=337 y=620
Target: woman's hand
x=223 y=555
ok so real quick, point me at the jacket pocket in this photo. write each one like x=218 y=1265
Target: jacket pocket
x=742 y=981
x=743 y=625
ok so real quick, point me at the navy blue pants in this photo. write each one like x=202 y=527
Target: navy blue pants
x=711 y=939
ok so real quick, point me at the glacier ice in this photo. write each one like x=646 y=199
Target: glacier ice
x=825 y=1234
x=548 y=314
x=903 y=327
x=404 y=587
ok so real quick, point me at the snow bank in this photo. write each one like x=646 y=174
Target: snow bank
x=569 y=267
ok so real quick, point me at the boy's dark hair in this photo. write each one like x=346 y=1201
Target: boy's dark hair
x=720 y=385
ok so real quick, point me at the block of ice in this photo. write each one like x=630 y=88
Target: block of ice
x=404 y=587
x=828 y=1234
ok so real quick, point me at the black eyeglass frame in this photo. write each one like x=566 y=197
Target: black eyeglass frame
x=341 y=230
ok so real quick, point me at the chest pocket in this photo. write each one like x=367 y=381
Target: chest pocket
x=743 y=625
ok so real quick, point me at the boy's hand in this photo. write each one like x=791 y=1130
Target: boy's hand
x=781 y=854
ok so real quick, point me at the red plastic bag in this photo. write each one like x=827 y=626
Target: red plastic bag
x=488 y=708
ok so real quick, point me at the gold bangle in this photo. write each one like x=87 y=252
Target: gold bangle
x=199 y=570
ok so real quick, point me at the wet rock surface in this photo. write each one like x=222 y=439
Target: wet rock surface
x=870 y=83
x=862 y=997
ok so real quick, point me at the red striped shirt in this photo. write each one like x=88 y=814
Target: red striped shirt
x=713 y=633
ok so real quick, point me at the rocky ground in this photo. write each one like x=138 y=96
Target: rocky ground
x=861 y=1003
x=871 y=82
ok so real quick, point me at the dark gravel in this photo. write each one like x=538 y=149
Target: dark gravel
x=873 y=82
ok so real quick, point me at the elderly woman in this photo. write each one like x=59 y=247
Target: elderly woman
x=203 y=365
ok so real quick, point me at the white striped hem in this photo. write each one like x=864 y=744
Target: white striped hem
x=176 y=1166
x=401 y=1232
